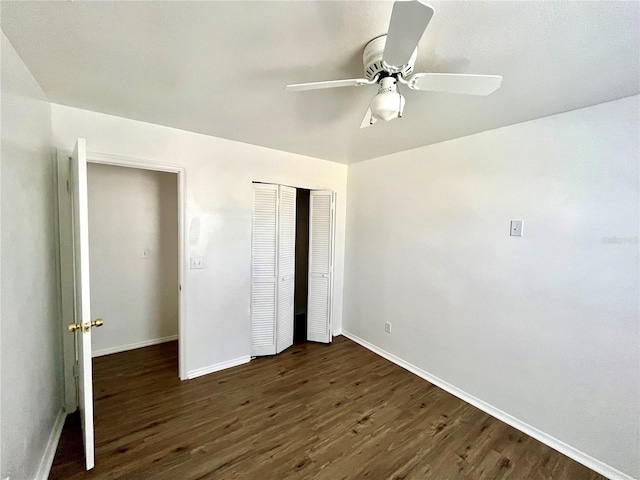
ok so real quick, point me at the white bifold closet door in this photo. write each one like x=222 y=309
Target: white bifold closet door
x=321 y=246
x=273 y=268
x=286 y=268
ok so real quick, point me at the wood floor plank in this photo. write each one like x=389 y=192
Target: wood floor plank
x=312 y=412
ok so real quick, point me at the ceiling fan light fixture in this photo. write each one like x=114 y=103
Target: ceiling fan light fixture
x=388 y=103
x=387 y=106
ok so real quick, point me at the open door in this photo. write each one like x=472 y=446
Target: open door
x=321 y=246
x=82 y=304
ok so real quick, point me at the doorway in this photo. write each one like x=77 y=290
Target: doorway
x=133 y=245
x=67 y=261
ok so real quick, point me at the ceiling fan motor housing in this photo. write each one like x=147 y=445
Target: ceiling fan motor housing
x=372 y=59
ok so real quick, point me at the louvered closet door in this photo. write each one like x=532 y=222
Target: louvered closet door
x=319 y=303
x=286 y=267
x=264 y=258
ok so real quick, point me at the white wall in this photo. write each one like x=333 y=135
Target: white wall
x=133 y=212
x=219 y=173
x=31 y=380
x=543 y=327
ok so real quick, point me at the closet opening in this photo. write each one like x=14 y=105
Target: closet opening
x=292 y=250
x=302 y=265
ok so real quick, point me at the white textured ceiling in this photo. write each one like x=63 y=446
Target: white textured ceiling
x=219 y=68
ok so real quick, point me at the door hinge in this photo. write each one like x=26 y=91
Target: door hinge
x=75 y=370
x=68 y=188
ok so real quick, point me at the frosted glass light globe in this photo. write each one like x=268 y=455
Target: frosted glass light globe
x=386 y=105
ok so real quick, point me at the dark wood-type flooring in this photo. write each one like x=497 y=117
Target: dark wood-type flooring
x=314 y=412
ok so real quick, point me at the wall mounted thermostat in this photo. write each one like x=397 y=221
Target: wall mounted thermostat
x=516 y=228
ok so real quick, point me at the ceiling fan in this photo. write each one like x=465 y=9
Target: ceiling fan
x=389 y=59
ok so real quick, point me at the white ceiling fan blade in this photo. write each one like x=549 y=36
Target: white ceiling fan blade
x=352 y=82
x=408 y=22
x=455 y=83
x=368 y=119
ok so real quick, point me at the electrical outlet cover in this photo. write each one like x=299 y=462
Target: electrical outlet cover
x=516 y=228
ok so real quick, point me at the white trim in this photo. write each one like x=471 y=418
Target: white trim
x=571 y=452
x=337 y=332
x=52 y=445
x=133 y=346
x=218 y=366
x=122 y=161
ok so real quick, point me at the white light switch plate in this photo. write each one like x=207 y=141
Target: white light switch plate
x=516 y=228
x=196 y=263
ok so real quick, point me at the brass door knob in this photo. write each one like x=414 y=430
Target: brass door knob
x=85 y=327
x=98 y=322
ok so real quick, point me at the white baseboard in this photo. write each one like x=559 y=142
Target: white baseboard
x=133 y=346
x=218 y=366
x=571 y=452
x=52 y=445
x=337 y=332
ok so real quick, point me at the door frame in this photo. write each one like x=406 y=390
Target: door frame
x=69 y=353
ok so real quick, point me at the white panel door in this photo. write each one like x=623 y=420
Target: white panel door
x=286 y=267
x=264 y=267
x=78 y=188
x=320 y=286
